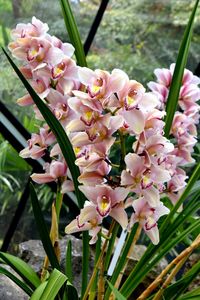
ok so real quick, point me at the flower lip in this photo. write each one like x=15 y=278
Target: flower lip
x=103 y=205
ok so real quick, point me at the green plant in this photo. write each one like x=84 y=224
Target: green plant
x=171 y=231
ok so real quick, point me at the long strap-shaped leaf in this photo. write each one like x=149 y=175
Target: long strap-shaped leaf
x=55 y=282
x=135 y=278
x=21 y=268
x=73 y=33
x=16 y=280
x=41 y=226
x=117 y=294
x=181 y=61
x=57 y=129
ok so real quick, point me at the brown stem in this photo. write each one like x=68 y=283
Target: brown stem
x=96 y=267
x=54 y=236
x=175 y=262
x=101 y=282
x=170 y=277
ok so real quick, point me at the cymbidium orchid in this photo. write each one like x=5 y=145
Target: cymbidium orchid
x=148 y=216
x=99 y=110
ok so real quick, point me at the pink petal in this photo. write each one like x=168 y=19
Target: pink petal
x=152 y=196
x=153 y=234
x=135 y=119
x=118 y=213
x=67 y=186
x=134 y=163
x=25 y=100
x=42 y=178
x=86 y=75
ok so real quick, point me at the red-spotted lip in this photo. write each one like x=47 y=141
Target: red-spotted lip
x=103 y=214
x=78 y=223
x=87 y=122
x=147 y=227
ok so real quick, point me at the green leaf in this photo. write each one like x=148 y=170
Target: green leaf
x=73 y=33
x=42 y=229
x=85 y=261
x=16 y=280
x=54 y=284
x=21 y=268
x=93 y=289
x=140 y=271
x=193 y=295
x=117 y=294
x=71 y=292
x=181 y=61
x=39 y=291
x=57 y=129
x=68 y=261
x=122 y=260
x=5 y=35
x=167 y=240
x=6 y=182
x=111 y=246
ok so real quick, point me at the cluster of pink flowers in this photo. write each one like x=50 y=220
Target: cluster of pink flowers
x=99 y=110
x=183 y=128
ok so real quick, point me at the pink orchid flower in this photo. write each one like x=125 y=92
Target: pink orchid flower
x=101 y=84
x=148 y=216
x=38 y=144
x=108 y=201
x=131 y=94
x=34 y=29
x=89 y=219
x=54 y=170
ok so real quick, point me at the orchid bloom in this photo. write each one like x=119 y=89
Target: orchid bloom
x=98 y=110
x=108 y=201
x=148 y=216
x=38 y=144
x=54 y=171
x=89 y=219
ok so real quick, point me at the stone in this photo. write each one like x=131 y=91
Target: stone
x=33 y=253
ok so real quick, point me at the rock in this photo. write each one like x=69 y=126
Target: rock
x=33 y=253
x=9 y=290
x=135 y=256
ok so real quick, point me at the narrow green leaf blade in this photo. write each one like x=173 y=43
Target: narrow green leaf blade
x=85 y=261
x=21 y=268
x=71 y=292
x=54 y=284
x=57 y=129
x=138 y=274
x=16 y=280
x=181 y=61
x=117 y=294
x=193 y=295
x=42 y=229
x=73 y=32
x=5 y=35
x=39 y=291
x=68 y=261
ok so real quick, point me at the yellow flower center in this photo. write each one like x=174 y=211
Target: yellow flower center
x=104 y=203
